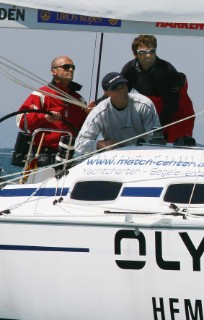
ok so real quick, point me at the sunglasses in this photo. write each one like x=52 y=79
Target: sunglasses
x=66 y=66
x=143 y=51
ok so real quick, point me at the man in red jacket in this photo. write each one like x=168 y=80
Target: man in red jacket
x=58 y=97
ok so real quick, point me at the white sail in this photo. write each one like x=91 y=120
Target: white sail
x=131 y=16
x=134 y=10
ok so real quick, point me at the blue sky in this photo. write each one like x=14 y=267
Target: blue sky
x=35 y=49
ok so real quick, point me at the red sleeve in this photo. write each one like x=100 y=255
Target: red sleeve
x=34 y=120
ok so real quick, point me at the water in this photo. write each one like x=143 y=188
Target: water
x=5 y=162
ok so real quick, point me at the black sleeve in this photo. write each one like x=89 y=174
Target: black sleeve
x=171 y=84
x=100 y=99
x=128 y=73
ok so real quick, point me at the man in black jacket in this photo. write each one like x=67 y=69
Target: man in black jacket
x=163 y=84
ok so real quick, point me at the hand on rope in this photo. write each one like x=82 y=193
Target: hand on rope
x=55 y=116
x=90 y=106
x=69 y=124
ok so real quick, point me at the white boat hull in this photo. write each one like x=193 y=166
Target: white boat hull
x=62 y=270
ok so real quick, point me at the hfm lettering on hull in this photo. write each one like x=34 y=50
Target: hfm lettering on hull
x=171 y=308
x=195 y=252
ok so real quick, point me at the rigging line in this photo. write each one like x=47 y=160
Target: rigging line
x=93 y=65
x=9 y=181
x=194 y=185
x=41 y=83
x=18 y=66
x=19 y=173
x=87 y=155
x=65 y=94
x=70 y=100
x=67 y=98
x=22 y=73
x=84 y=156
x=17 y=205
x=151 y=131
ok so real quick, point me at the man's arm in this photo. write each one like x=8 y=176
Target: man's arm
x=34 y=120
x=150 y=116
x=86 y=141
x=37 y=101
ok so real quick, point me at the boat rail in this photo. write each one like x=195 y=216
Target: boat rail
x=63 y=154
x=33 y=135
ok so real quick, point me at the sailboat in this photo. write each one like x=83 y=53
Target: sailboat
x=119 y=235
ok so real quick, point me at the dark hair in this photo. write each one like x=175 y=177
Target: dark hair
x=144 y=39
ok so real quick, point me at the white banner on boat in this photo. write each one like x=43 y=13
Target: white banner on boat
x=190 y=11
x=21 y=17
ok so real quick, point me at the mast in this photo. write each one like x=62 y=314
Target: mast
x=99 y=66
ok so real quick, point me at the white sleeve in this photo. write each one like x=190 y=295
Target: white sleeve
x=86 y=141
x=150 y=117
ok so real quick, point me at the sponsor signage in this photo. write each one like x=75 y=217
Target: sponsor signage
x=12 y=14
x=68 y=18
x=180 y=25
x=20 y=17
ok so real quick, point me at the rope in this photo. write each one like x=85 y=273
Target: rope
x=82 y=157
x=64 y=96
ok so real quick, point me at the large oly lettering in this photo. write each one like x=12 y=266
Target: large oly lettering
x=165 y=265
x=129 y=234
x=196 y=254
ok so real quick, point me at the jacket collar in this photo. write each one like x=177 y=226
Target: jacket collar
x=73 y=86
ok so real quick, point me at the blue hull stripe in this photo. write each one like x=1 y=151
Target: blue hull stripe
x=141 y=192
x=26 y=192
x=40 y=248
x=50 y=192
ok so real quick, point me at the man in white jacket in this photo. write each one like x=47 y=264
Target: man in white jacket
x=119 y=117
